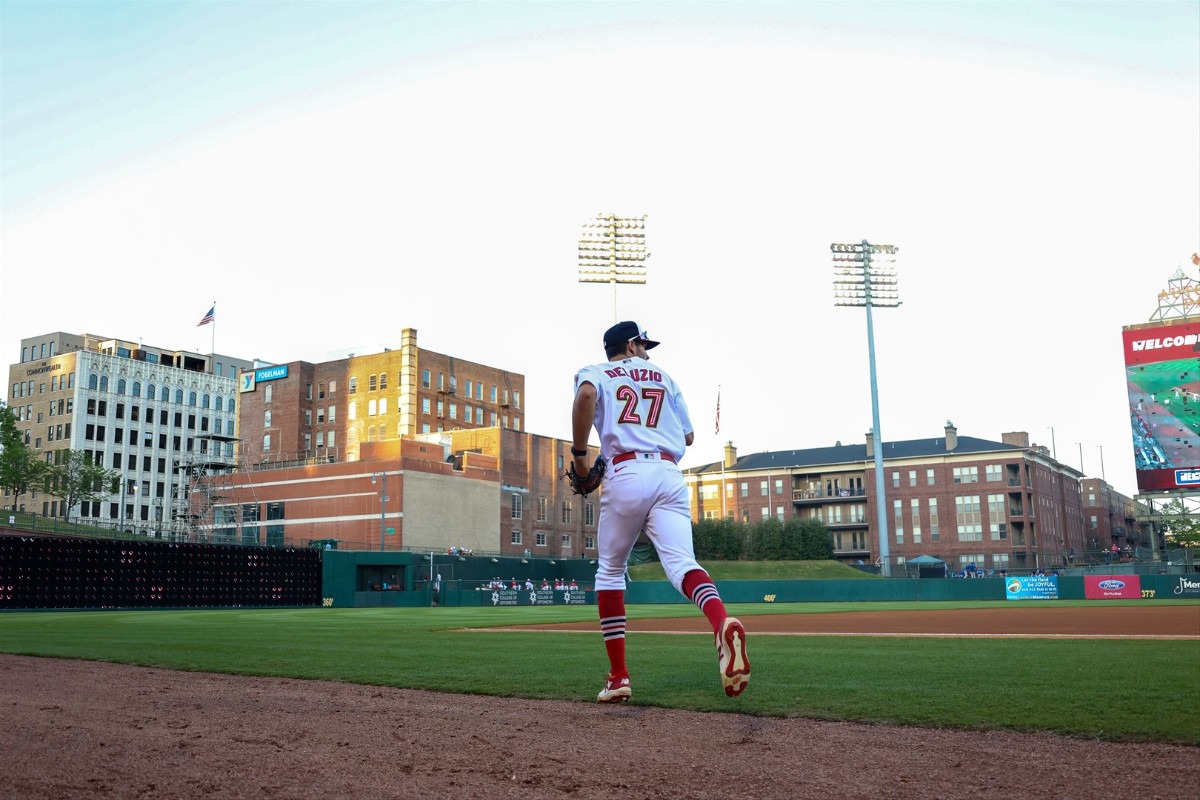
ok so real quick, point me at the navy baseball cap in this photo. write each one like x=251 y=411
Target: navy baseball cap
x=627 y=331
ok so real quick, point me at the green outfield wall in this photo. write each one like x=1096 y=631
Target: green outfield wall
x=403 y=579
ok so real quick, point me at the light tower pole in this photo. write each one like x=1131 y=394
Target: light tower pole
x=613 y=250
x=383 y=498
x=864 y=275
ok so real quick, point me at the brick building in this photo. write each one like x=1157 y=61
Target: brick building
x=1111 y=518
x=998 y=505
x=301 y=411
x=490 y=490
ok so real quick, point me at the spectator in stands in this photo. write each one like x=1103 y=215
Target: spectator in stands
x=545 y=585
x=529 y=584
x=573 y=585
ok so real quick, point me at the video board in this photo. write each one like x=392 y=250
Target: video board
x=1162 y=372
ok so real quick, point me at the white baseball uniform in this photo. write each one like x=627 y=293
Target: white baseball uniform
x=642 y=421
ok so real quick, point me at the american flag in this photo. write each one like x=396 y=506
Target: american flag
x=718 y=430
x=207 y=318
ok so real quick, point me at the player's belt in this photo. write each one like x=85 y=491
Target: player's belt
x=617 y=459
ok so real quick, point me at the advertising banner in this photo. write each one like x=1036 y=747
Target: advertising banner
x=535 y=597
x=1035 y=587
x=1162 y=376
x=1112 y=587
x=1187 y=586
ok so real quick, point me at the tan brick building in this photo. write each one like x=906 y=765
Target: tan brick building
x=302 y=411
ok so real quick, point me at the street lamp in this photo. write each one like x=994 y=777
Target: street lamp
x=613 y=250
x=864 y=276
x=382 y=506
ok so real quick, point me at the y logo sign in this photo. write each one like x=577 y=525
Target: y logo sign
x=246 y=381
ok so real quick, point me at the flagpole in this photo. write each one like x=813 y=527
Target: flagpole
x=212 y=349
x=717 y=432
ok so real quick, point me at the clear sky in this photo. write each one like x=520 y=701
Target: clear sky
x=333 y=172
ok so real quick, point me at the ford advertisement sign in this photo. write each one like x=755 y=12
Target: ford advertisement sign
x=1112 y=587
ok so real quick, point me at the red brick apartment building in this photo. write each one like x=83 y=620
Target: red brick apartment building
x=999 y=505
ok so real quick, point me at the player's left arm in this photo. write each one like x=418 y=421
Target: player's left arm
x=583 y=413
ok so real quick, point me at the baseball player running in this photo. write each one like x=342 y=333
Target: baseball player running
x=642 y=420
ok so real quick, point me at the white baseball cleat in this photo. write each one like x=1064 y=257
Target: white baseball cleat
x=616 y=690
x=731 y=656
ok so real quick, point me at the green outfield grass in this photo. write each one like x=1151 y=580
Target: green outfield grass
x=1135 y=690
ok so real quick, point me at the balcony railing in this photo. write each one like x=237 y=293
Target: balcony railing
x=799 y=495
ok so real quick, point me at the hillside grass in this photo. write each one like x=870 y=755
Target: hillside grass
x=760 y=570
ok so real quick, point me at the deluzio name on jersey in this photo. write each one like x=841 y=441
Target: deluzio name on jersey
x=1166 y=341
x=635 y=373
x=1111 y=584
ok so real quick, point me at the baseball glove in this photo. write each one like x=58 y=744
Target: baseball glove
x=590 y=481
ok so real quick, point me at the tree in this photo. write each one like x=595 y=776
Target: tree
x=75 y=478
x=21 y=468
x=1181 y=527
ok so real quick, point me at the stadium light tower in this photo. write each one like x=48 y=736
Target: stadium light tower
x=864 y=275
x=613 y=250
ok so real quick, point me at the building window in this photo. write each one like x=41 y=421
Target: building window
x=898 y=519
x=425 y=385
x=382 y=407
x=321 y=415
x=933 y=520
x=351 y=411
x=372 y=383
x=762 y=488
x=994 y=472
x=968 y=517
x=424 y=405
x=332 y=414
x=912 y=477
x=589 y=543
x=268 y=392
x=353 y=386
x=566 y=512
x=515 y=537
x=745 y=489
x=997 y=527
x=371 y=407
x=330 y=439
x=541 y=538
x=541 y=509
x=589 y=518
x=916 y=520
x=929 y=477
x=308 y=391
x=779 y=486
x=266 y=442
x=895 y=480
x=516 y=506
x=966 y=474
x=320 y=391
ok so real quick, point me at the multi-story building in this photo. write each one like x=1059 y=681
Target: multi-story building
x=322 y=445
x=147 y=413
x=492 y=490
x=1112 y=519
x=998 y=505
x=300 y=411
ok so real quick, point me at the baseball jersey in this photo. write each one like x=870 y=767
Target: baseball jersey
x=639 y=408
